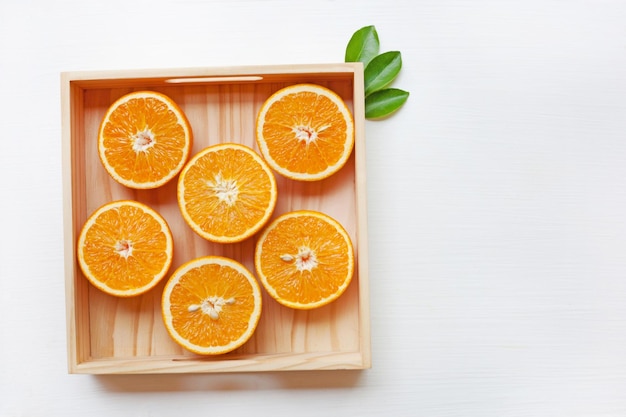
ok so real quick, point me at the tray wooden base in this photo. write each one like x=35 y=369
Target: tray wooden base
x=113 y=335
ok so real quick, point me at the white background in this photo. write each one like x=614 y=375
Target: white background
x=497 y=204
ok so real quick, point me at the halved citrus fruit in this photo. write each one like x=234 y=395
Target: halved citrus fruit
x=305 y=132
x=304 y=259
x=125 y=248
x=226 y=193
x=144 y=140
x=211 y=305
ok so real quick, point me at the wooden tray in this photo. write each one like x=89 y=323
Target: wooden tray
x=112 y=335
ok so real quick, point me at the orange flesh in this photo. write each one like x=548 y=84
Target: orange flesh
x=305 y=132
x=125 y=248
x=227 y=193
x=145 y=123
x=197 y=285
x=332 y=261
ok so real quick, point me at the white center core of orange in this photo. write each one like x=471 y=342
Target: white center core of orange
x=211 y=306
x=143 y=140
x=225 y=189
x=305 y=133
x=124 y=248
x=306 y=259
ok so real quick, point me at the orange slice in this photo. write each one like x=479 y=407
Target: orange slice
x=226 y=193
x=304 y=259
x=211 y=305
x=144 y=140
x=125 y=248
x=305 y=132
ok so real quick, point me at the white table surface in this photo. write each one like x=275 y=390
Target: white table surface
x=497 y=204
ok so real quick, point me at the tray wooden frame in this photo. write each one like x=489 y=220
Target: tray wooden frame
x=107 y=335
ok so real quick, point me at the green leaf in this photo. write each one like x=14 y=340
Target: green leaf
x=381 y=71
x=384 y=102
x=363 y=45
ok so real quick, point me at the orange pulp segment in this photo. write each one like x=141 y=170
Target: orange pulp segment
x=305 y=132
x=211 y=305
x=125 y=248
x=226 y=193
x=144 y=140
x=304 y=259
